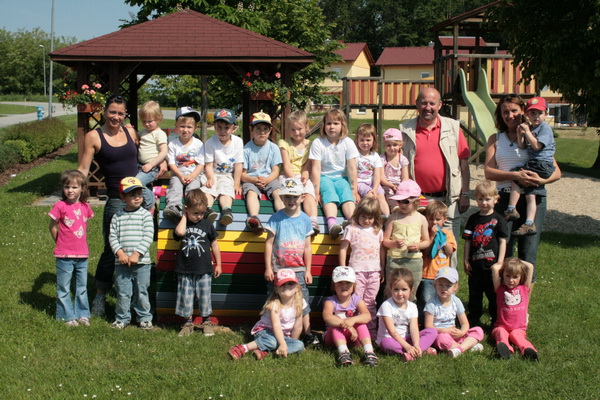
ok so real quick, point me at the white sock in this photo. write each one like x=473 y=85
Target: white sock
x=343 y=348
x=368 y=348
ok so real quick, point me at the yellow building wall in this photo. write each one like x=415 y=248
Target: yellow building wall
x=410 y=72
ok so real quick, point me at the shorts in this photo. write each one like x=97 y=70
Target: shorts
x=223 y=185
x=364 y=188
x=543 y=168
x=335 y=190
x=268 y=190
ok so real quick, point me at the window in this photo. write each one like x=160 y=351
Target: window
x=425 y=75
x=361 y=111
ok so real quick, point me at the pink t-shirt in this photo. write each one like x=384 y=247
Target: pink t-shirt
x=365 y=248
x=512 y=307
x=72 y=221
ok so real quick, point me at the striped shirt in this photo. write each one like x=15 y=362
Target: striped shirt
x=508 y=155
x=132 y=231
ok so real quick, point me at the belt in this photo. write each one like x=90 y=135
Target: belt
x=436 y=194
x=504 y=190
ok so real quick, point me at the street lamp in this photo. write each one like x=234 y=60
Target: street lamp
x=44 y=60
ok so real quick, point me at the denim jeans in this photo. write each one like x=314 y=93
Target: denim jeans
x=126 y=277
x=65 y=309
x=147 y=178
x=425 y=292
x=266 y=341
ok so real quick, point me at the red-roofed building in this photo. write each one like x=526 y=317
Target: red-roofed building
x=412 y=63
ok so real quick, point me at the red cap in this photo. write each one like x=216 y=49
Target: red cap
x=536 y=103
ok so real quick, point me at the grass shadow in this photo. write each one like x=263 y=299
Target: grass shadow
x=575 y=169
x=41 y=186
x=38 y=300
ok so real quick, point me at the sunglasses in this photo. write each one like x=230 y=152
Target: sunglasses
x=405 y=201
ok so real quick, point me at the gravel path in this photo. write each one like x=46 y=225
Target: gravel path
x=570 y=203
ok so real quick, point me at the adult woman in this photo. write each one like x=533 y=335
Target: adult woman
x=503 y=154
x=113 y=146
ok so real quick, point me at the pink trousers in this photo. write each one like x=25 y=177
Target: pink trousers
x=518 y=337
x=332 y=335
x=426 y=338
x=367 y=286
x=444 y=341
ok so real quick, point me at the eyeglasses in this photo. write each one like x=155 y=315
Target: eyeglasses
x=406 y=201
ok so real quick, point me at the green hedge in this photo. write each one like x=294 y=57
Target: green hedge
x=8 y=157
x=35 y=139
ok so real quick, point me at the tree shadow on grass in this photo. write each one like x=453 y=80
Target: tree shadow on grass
x=38 y=300
x=41 y=186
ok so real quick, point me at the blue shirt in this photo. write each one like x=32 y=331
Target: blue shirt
x=545 y=137
x=260 y=160
x=290 y=240
x=444 y=316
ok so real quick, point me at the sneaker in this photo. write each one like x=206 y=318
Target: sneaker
x=207 y=328
x=455 y=352
x=226 y=217
x=72 y=323
x=316 y=228
x=172 y=212
x=503 y=351
x=345 y=224
x=512 y=215
x=259 y=354
x=407 y=357
x=146 y=325
x=118 y=325
x=370 y=359
x=310 y=339
x=253 y=224
x=186 y=329
x=236 y=352
x=530 y=354
x=345 y=359
x=525 y=230
x=335 y=231
x=99 y=305
x=211 y=214
x=431 y=351
x=84 y=321
x=477 y=348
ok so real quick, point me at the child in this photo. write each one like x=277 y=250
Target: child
x=406 y=233
x=395 y=165
x=223 y=155
x=538 y=139
x=68 y=227
x=364 y=238
x=262 y=159
x=295 y=164
x=398 y=331
x=194 y=264
x=280 y=324
x=441 y=313
x=512 y=282
x=333 y=172
x=437 y=255
x=186 y=161
x=369 y=167
x=153 y=149
x=485 y=245
x=346 y=316
x=288 y=245
x=131 y=234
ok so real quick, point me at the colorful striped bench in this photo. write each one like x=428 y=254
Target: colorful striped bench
x=240 y=292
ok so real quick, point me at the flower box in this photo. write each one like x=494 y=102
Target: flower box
x=89 y=107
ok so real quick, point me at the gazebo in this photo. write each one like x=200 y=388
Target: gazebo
x=182 y=43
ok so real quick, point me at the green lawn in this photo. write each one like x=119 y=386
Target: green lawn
x=16 y=109
x=42 y=358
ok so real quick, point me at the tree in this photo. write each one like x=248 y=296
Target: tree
x=559 y=43
x=298 y=23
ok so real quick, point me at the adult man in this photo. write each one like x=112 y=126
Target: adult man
x=438 y=154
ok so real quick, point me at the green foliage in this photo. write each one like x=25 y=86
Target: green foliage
x=40 y=137
x=8 y=157
x=175 y=90
x=22 y=67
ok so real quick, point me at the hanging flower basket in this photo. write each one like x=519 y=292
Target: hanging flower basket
x=267 y=95
x=89 y=107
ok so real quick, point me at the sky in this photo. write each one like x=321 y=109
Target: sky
x=82 y=19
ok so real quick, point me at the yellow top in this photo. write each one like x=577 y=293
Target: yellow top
x=410 y=233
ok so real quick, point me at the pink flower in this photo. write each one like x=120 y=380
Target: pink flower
x=256 y=73
x=97 y=86
x=85 y=87
x=92 y=92
x=277 y=75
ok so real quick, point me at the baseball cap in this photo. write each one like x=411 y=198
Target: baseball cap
x=536 y=103
x=260 y=117
x=285 y=276
x=343 y=274
x=226 y=115
x=291 y=187
x=406 y=189
x=129 y=183
x=448 y=273
x=188 y=112
x=392 y=134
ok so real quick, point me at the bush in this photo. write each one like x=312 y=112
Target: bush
x=41 y=137
x=8 y=157
x=21 y=148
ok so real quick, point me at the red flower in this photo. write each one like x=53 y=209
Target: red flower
x=277 y=75
x=248 y=74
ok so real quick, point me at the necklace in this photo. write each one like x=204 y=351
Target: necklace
x=512 y=142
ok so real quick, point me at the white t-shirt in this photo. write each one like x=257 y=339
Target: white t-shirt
x=224 y=157
x=365 y=166
x=149 y=142
x=186 y=157
x=333 y=157
x=401 y=318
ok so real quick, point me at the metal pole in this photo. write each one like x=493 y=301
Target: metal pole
x=44 y=61
x=50 y=91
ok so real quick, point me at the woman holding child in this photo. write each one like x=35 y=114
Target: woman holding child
x=502 y=155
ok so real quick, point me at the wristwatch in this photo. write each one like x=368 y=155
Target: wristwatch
x=464 y=194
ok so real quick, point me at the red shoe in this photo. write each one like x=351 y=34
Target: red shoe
x=431 y=351
x=259 y=354
x=236 y=352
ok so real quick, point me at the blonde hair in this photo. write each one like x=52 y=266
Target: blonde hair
x=367 y=130
x=400 y=274
x=336 y=115
x=184 y=118
x=274 y=302
x=74 y=175
x=298 y=116
x=151 y=109
x=368 y=206
x=514 y=266
x=436 y=207
x=486 y=188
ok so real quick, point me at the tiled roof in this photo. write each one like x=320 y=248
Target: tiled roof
x=184 y=35
x=406 y=56
x=352 y=51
